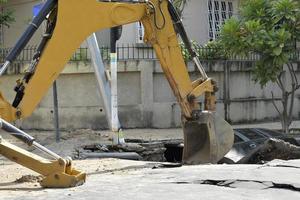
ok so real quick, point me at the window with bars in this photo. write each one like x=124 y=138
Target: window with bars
x=218 y=12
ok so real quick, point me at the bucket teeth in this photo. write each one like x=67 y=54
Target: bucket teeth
x=64 y=180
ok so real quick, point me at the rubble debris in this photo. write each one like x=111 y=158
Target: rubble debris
x=270 y=150
x=132 y=147
x=167 y=165
x=142 y=150
x=124 y=155
x=154 y=151
x=171 y=151
x=29 y=179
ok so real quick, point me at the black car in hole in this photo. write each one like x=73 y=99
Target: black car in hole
x=247 y=139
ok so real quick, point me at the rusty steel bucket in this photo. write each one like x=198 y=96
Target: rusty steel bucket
x=207 y=139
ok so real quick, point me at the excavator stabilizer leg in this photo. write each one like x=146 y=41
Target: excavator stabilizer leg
x=57 y=172
x=207 y=139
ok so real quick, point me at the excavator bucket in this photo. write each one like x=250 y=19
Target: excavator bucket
x=207 y=139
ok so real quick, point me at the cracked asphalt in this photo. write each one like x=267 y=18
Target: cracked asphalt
x=121 y=179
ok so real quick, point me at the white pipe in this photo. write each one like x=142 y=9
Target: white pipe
x=4 y=67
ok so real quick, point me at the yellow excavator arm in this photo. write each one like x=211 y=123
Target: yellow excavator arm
x=76 y=20
x=70 y=22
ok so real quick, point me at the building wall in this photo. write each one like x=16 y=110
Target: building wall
x=195 y=19
x=145 y=98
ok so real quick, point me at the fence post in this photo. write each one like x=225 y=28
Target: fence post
x=118 y=137
x=226 y=93
x=56 y=118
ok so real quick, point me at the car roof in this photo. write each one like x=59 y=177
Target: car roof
x=247 y=134
x=269 y=133
x=250 y=133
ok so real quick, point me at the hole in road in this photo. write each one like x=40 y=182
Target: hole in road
x=173 y=152
x=157 y=151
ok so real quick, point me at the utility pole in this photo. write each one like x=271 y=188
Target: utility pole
x=117 y=135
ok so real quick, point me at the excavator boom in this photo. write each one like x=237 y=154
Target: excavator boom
x=68 y=25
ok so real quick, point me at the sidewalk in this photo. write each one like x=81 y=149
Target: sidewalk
x=269 y=125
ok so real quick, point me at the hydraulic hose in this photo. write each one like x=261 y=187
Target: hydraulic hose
x=180 y=28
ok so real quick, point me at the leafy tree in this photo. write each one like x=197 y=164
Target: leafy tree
x=270 y=28
x=6 y=16
x=212 y=51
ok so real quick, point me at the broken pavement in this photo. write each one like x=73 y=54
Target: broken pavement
x=121 y=179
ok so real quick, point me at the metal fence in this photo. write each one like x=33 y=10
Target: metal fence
x=137 y=52
x=125 y=52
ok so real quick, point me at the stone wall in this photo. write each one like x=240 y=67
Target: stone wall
x=145 y=97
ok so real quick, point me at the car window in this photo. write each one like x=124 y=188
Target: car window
x=250 y=133
x=237 y=139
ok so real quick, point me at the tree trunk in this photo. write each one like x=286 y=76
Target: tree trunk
x=287 y=99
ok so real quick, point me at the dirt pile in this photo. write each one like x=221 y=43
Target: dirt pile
x=29 y=179
x=272 y=149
